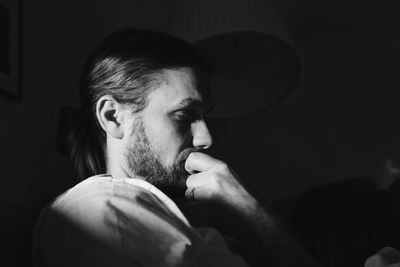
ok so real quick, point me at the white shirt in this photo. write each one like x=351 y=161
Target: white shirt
x=105 y=221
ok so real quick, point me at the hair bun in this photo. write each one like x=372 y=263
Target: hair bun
x=71 y=120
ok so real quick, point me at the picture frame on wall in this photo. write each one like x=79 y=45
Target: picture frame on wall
x=10 y=48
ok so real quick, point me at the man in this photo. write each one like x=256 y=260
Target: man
x=153 y=192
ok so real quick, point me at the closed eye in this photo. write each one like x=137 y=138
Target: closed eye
x=187 y=117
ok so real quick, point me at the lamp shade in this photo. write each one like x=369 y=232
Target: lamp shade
x=254 y=62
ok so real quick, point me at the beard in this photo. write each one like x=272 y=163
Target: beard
x=143 y=161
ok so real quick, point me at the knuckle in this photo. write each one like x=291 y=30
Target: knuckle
x=214 y=179
x=222 y=166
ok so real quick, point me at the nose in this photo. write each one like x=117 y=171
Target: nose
x=201 y=135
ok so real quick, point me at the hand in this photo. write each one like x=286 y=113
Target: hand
x=386 y=257
x=211 y=180
x=218 y=199
x=237 y=213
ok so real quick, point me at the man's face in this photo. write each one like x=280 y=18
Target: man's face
x=168 y=130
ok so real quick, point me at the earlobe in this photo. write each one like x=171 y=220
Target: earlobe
x=108 y=113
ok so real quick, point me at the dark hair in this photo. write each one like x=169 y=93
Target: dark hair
x=125 y=66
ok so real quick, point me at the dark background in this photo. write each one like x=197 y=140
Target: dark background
x=340 y=123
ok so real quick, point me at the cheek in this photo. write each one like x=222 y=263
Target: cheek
x=168 y=141
x=176 y=141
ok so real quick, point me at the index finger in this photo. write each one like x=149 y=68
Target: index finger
x=199 y=162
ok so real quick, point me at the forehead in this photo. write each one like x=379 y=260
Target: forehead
x=177 y=87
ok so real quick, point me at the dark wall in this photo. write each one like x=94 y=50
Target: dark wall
x=340 y=122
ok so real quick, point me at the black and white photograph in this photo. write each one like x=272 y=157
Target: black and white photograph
x=171 y=133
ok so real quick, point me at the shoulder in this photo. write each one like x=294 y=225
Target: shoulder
x=102 y=215
x=122 y=222
x=103 y=195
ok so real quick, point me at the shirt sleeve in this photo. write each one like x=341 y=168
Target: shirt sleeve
x=109 y=222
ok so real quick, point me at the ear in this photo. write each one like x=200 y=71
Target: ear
x=110 y=114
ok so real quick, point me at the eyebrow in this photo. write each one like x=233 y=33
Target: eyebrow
x=196 y=103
